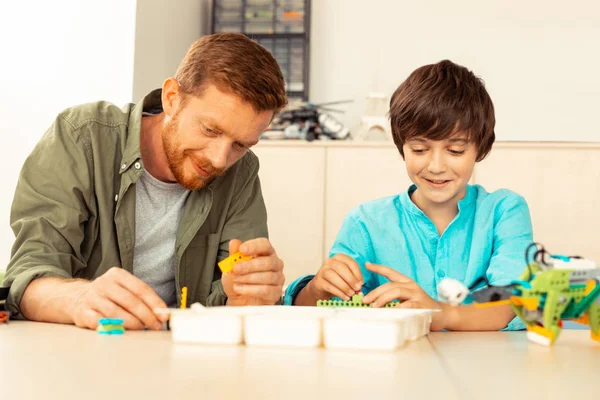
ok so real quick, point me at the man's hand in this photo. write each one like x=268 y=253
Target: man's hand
x=338 y=276
x=408 y=291
x=258 y=281
x=116 y=294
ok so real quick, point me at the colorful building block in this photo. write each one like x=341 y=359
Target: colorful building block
x=110 y=326
x=227 y=264
x=356 y=302
x=551 y=289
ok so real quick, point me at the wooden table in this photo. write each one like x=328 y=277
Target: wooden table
x=48 y=361
x=505 y=365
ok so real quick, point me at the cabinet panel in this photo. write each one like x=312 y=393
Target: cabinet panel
x=292 y=184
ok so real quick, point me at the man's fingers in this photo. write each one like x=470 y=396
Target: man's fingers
x=234 y=245
x=139 y=288
x=265 y=292
x=109 y=309
x=257 y=247
x=388 y=272
x=88 y=319
x=260 y=278
x=259 y=264
x=133 y=305
x=352 y=265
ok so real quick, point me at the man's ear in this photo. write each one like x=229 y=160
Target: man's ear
x=171 y=96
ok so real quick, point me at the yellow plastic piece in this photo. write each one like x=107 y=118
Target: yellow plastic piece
x=589 y=287
x=492 y=303
x=227 y=264
x=540 y=330
x=530 y=303
x=595 y=336
x=184 y=297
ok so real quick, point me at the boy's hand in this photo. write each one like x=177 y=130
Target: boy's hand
x=258 y=281
x=408 y=291
x=338 y=276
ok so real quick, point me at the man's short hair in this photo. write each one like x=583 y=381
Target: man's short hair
x=236 y=64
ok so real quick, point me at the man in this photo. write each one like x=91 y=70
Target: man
x=116 y=210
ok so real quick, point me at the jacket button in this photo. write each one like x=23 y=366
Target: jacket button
x=137 y=165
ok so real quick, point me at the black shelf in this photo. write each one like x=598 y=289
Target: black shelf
x=281 y=26
x=275 y=35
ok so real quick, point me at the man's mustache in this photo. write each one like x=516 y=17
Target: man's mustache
x=208 y=167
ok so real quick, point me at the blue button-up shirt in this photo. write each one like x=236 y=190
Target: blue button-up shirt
x=488 y=237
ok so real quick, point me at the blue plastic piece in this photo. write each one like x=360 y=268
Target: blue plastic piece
x=110 y=321
x=113 y=332
x=525 y=284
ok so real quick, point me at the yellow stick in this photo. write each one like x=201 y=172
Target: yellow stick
x=184 y=297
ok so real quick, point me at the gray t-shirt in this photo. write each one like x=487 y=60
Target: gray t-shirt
x=158 y=210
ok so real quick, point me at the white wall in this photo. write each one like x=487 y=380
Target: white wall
x=539 y=58
x=163 y=33
x=56 y=54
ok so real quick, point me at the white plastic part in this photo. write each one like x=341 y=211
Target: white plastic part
x=380 y=329
x=333 y=126
x=539 y=339
x=373 y=129
x=377 y=105
x=452 y=291
x=218 y=325
x=284 y=326
x=574 y=263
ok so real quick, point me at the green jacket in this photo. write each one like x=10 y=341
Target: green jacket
x=73 y=214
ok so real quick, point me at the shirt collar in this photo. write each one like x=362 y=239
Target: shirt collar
x=408 y=204
x=150 y=103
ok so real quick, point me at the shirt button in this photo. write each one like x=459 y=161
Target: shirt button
x=433 y=240
x=123 y=166
x=116 y=197
x=441 y=274
x=137 y=165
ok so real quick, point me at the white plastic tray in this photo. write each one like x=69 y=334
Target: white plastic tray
x=380 y=329
x=285 y=326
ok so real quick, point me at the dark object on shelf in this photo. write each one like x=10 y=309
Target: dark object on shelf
x=307 y=121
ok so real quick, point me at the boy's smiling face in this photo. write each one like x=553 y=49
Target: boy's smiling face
x=440 y=169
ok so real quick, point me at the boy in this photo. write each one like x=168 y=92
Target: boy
x=401 y=247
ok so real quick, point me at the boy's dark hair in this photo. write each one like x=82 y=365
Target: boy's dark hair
x=438 y=100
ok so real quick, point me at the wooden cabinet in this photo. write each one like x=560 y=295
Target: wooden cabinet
x=294 y=191
x=310 y=187
x=561 y=183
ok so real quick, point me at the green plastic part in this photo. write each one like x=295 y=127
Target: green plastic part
x=594 y=318
x=559 y=299
x=109 y=328
x=355 y=302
